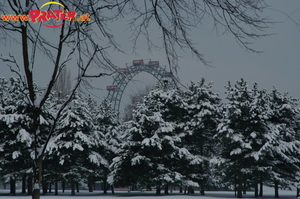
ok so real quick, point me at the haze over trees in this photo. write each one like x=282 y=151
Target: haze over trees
x=135 y=99
x=87 y=44
x=63 y=85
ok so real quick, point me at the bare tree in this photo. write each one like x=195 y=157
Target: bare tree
x=86 y=43
x=176 y=19
x=62 y=85
x=135 y=99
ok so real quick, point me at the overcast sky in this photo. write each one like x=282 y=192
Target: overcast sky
x=278 y=65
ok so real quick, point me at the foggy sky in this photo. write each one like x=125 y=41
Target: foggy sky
x=278 y=65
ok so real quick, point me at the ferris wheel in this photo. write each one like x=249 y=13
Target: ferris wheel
x=125 y=75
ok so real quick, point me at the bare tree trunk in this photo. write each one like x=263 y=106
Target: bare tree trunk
x=90 y=183
x=12 y=186
x=63 y=186
x=191 y=190
x=235 y=189
x=166 y=190
x=72 y=187
x=29 y=183
x=261 y=188
x=49 y=191
x=240 y=187
x=24 y=183
x=44 y=187
x=256 y=189
x=104 y=186
x=202 y=186
x=37 y=169
x=245 y=187
x=56 y=189
x=112 y=189
x=62 y=85
x=276 y=189
x=158 y=190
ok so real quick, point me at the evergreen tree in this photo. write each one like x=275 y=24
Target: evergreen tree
x=260 y=114
x=15 y=123
x=154 y=152
x=74 y=142
x=51 y=173
x=283 y=152
x=258 y=136
x=202 y=119
x=243 y=134
x=108 y=138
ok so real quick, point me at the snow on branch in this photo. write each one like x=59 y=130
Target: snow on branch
x=100 y=75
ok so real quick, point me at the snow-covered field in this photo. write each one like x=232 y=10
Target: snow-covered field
x=268 y=193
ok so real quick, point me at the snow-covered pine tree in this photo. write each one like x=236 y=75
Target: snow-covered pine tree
x=15 y=123
x=243 y=133
x=260 y=113
x=202 y=106
x=51 y=175
x=154 y=152
x=231 y=132
x=108 y=138
x=74 y=142
x=283 y=152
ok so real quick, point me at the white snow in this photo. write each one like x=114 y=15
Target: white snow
x=16 y=154
x=68 y=145
x=236 y=151
x=253 y=135
x=24 y=137
x=98 y=159
x=246 y=145
x=183 y=152
x=61 y=162
x=167 y=128
x=82 y=136
x=77 y=147
x=42 y=120
x=255 y=155
x=268 y=193
x=137 y=159
x=237 y=138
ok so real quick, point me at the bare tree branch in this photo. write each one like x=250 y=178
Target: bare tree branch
x=100 y=75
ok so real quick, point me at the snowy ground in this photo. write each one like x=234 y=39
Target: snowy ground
x=268 y=193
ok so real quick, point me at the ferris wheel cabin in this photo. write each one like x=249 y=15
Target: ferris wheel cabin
x=111 y=88
x=168 y=74
x=153 y=63
x=137 y=62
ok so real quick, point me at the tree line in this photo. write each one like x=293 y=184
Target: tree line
x=189 y=138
